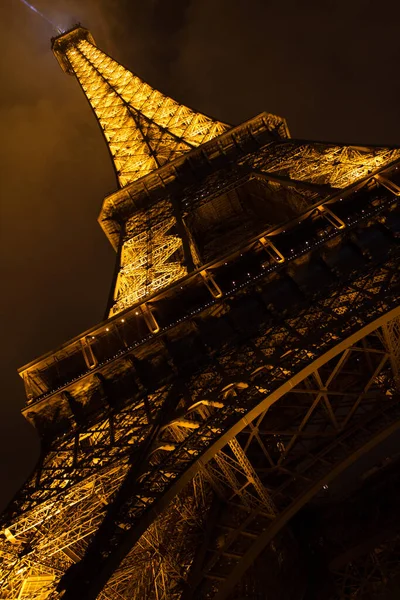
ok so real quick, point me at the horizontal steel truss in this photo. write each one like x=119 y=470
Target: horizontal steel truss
x=220 y=406
x=36 y=387
x=153 y=259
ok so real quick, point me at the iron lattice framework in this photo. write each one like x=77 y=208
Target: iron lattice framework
x=144 y=130
x=251 y=357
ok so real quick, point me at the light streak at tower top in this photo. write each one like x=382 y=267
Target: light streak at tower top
x=38 y=12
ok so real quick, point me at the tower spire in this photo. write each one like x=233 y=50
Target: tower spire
x=144 y=129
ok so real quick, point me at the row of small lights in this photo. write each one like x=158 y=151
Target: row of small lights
x=298 y=361
x=213 y=302
x=194 y=312
x=143 y=340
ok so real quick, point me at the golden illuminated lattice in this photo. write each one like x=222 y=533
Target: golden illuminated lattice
x=146 y=266
x=144 y=129
x=58 y=528
x=322 y=164
x=163 y=555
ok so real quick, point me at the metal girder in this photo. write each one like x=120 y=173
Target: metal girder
x=267 y=536
x=375 y=574
x=332 y=164
x=252 y=392
x=250 y=515
x=289 y=497
x=268 y=402
x=391 y=333
x=146 y=265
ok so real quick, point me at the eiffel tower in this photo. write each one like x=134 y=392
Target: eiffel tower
x=223 y=433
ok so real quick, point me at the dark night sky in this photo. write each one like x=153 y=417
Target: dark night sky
x=329 y=67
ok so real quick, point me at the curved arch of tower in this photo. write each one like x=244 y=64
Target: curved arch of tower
x=226 y=420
